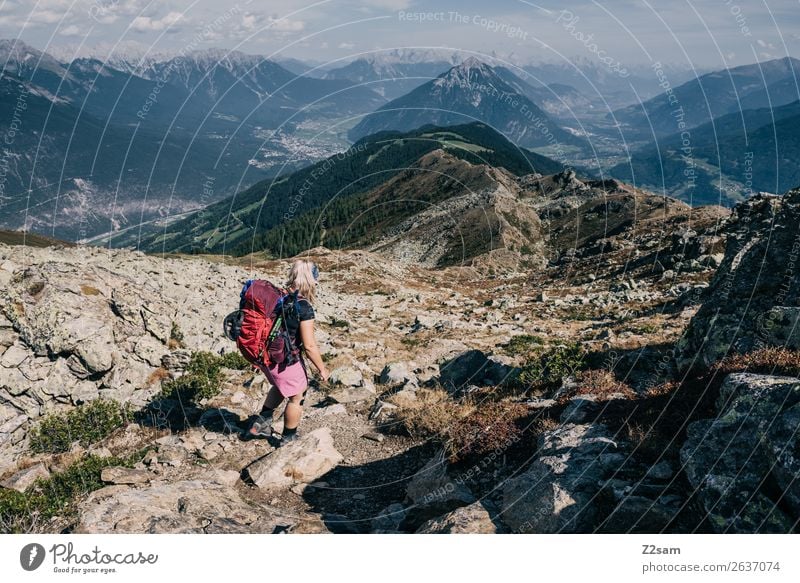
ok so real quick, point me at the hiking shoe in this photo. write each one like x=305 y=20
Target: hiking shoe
x=261 y=428
x=289 y=438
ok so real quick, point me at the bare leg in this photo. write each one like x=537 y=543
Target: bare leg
x=293 y=412
x=274 y=398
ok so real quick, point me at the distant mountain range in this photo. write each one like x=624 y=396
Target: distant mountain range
x=471 y=91
x=391 y=77
x=698 y=101
x=104 y=147
x=128 y=150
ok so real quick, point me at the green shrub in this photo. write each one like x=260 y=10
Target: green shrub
x=86 y=424
x=58 y=495
x=548 y=367
x=338 y=323
x=175 y=337
x=203 y=377
x=523 y=345
x=234 y=360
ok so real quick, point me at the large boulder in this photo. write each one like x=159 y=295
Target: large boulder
x=558 y=492
x=474 y=367
x=744 y=463
x=304 y=460
x=752 y=299
x=397 y=373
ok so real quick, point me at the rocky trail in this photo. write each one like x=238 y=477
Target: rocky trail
x=590 y=451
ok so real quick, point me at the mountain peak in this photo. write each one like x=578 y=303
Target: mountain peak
x=472 y=63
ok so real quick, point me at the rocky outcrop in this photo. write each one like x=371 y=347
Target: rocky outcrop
x=558 y=492
x=744 y=463
x=191 y=506
x=486 y=223
x=752 y=300
x=81 y=323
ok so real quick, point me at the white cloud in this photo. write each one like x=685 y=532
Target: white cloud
x=765 y=45
x=71 y=30
x=252 y=21
x=388 y=4
x=45 y=16
x=150 y=24
x=347 y=46
x=286 y=25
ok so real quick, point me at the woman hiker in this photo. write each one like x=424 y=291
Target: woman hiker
x=292 y=381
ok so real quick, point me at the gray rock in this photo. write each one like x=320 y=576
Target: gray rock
x=374 y=436
x=581 y=409
x=472 y=519
x=466 y=368
x=121 y=475
x=24 y=479
x=731 y=460
x=346 y=376
x=304 y=460
x=176 y=360
x=431 y=485
x=14 y=356
x=150 y=350
x=173 y=455
x=638 y=514
x=397 y=373
x=556 y=494
x=191 y=506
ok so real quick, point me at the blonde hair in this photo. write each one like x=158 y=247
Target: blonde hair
x=301 y=278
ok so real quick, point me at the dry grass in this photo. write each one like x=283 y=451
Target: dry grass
x=601 y=383
x=158 y=376
x=771 y=360
x=88 y=290
x=431 y=414
x=465 y=428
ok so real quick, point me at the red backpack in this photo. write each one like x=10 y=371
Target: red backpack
x=259 y=325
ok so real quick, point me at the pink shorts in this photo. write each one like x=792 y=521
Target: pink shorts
x=290 y=381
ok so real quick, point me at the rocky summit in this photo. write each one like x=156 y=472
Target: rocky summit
x=616 y=381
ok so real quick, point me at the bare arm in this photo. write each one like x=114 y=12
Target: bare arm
x=311 y=348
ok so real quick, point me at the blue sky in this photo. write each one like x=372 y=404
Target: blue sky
x=708 y=33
